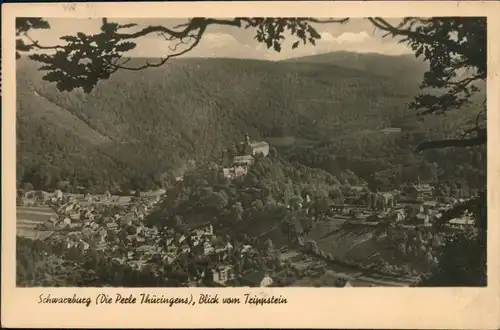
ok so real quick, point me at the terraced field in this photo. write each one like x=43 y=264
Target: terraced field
x=355 y=276
x=28 y=217
x=354 y=244
x=356 y=279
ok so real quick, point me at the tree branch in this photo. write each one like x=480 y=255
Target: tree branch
x=464 y=82
x=166 y=58
x=193 y=24
x=35 y=44
x=383 y=25
x=413 y=34
x=330 y=20
x=440 y=144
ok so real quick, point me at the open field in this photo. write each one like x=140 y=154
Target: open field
x=28 y=217
x=355 y=279
x=288 y=141
x=33 y=213
x=356 y=244
x=355 y=276
x=334 y=240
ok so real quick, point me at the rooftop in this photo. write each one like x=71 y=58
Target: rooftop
x=259 y=144
x=253 y=277
x=237 y=159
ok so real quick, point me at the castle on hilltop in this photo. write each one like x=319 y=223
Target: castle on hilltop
x=247 y=150
x=254 y=148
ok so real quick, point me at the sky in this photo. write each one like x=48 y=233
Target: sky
x=357 y=35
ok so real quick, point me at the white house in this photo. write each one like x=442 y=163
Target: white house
x=462 y=221
x=399 y=215
x=266 y=281
x=390 y=130
x=243 y=160
x=58 y=194
x=223 y=274
x=260 y=148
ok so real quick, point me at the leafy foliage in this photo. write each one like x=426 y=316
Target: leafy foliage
x=23 y=26
x=48 y=265
x=86 y=59
x=455 y=48
x=463 y=258
x=252 y=205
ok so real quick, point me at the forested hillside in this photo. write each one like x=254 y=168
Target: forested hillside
x=140 y=128
x=406 y=66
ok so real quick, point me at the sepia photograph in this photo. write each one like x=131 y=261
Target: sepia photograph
x=227 y=152
x=234 y=165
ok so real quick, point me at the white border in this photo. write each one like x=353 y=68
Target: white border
x=465 y=308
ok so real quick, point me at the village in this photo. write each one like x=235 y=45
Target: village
x=115 y=226
x=125 y=237
x=412 y=205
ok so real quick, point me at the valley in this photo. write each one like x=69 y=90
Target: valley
x=340 y=139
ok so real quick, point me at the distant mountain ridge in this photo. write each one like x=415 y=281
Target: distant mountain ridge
x=141 y=126
x=380 y=64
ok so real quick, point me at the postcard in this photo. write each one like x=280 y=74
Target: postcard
x=250 y=164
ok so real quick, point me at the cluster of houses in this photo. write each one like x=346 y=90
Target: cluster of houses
x=36 y=197
x=413 y=205
x=418 y=191
x=82 y=224
x=424 y=208
x=126 y=238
